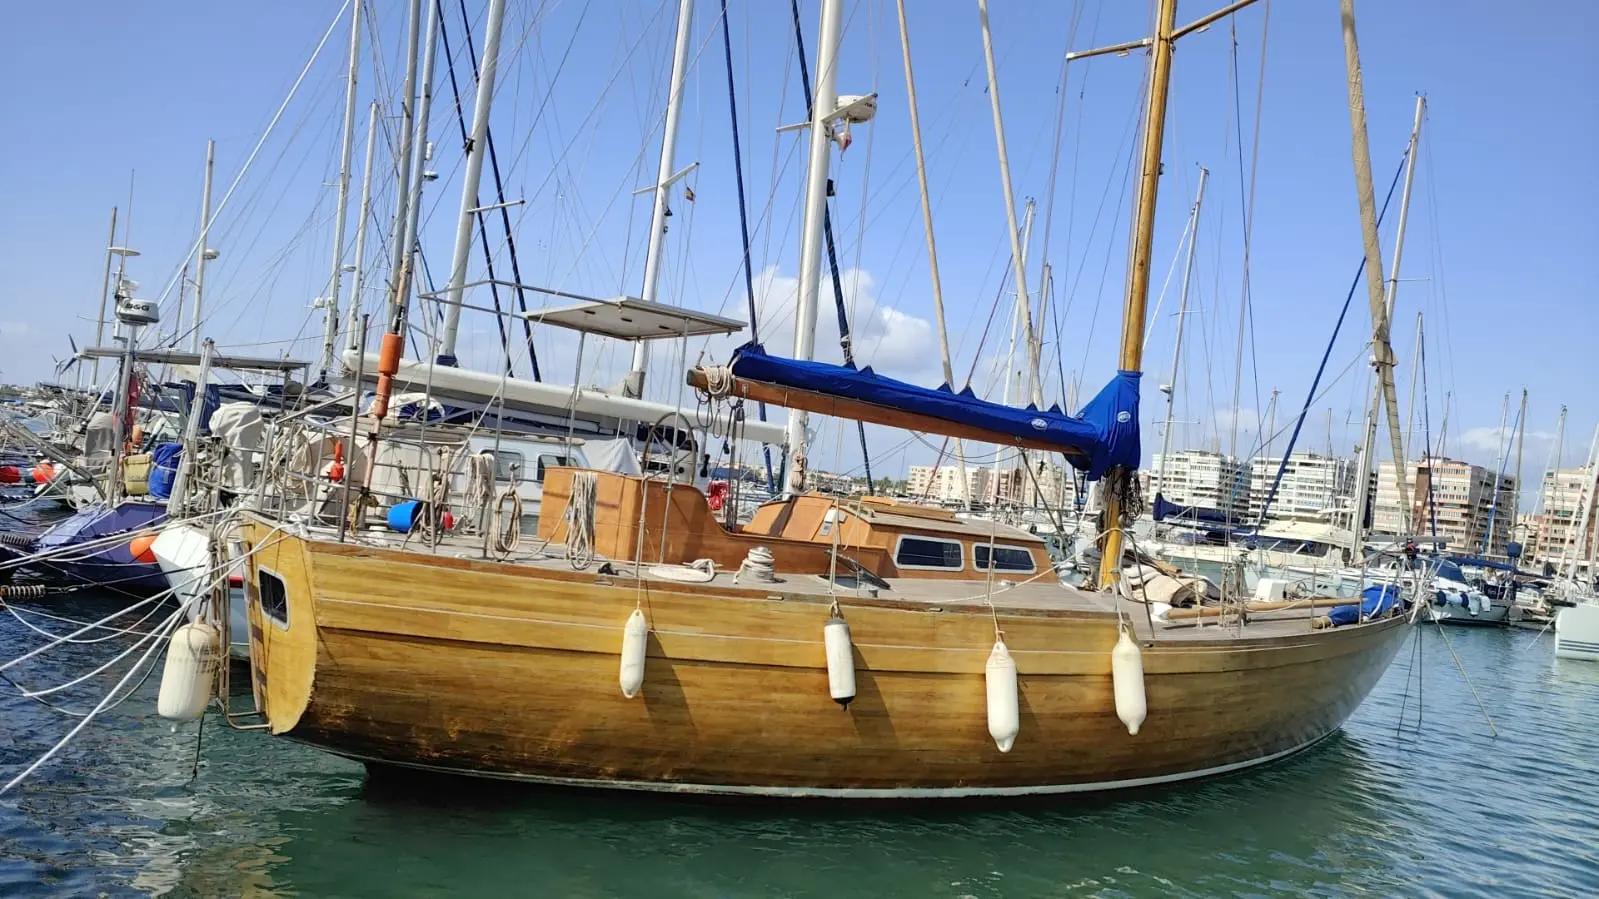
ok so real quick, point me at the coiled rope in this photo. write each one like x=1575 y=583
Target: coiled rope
x=580 y=519
x=507 y=528
x=479 y=491
x=757 y=567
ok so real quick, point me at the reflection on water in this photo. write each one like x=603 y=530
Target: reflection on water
x=1447 y=810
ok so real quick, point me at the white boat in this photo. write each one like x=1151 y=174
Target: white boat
x=1577 y=632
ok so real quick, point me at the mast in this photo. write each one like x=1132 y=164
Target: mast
x=1368 y=455
x=403 y=166
x=1380 y=321
x=353 y=338
x=1018 y=252
x=330 y=330
x=105 y=295
x=1551 y=468
x=823 y=104
x=476 y=149
x=1011 y=375
x=1182 y=318
x=932 y=246
x=665 y=176
x=1134 y=310
x=1499 y=464
x=1443 y=429
x=205 y=251
x=424 y=111
x=1521 y=442
x=1271 y=420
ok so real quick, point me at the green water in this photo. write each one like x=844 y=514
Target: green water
x=1444 y=811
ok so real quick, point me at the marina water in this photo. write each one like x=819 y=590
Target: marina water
x=1446 y=810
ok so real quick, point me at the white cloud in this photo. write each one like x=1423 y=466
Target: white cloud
x=893 y=342
x=1248 y=420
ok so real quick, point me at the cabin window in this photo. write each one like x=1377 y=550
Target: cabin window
x=551 y=460
x=503 y=462
x=1006 y=558
x=928 y=552
x=274 y=598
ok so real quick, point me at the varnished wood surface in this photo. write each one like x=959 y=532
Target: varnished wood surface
x=691 y=529
x=512 y=670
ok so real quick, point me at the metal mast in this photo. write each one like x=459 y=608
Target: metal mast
x=205 y=251
x=1182 y=315
x=330 y=310
x=105 y=296
x=665 y=176
x=823 y=110
x=394 y=336
x=1017 y=251
x=476 y=149
x=403 y=168
x=353 y=338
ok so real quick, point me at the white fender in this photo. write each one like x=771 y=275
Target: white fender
x=191 y=666
x=635 y=638
x=1127 y=671
x=840 y=661
x=1004 y=709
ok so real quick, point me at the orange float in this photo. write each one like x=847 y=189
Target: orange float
x=140 y=548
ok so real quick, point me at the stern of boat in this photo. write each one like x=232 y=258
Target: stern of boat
x=282 y=624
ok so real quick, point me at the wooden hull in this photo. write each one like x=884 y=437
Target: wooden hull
x=510 y=671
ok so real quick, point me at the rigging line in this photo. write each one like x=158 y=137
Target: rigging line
x=466 y=143
x=1499 y=480
x=1004 y=279
x=1249 y=218
x=1438 y=254
x=1315 y=382
x=294 y=89
x=538 y=115
x=1104 y=272
x=744 y=224
x=1426 y=431
x=1047 y=274
x=844 y=339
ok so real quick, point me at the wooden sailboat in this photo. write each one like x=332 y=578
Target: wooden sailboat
x=859 y=650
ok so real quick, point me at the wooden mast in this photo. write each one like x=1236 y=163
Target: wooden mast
x=1382 y=348
x=1134 y=309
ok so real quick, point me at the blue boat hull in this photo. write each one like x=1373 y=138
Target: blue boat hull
x=109 y=562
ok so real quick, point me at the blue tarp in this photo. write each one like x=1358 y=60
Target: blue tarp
x=1476 y=562
x=1375 y=602
x=1164 y=509
x=1104 y=435
x=164 y=468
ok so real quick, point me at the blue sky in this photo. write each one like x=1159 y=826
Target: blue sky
x=1499 y=257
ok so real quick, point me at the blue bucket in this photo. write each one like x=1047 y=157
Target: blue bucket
x=402 y=516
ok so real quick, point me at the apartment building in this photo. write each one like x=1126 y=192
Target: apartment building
x=1202 y=479
x=943 y=483
x=1314 y=487
x=1555 y=533
x=1457 y=497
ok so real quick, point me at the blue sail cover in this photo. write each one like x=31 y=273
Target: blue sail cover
x=1163 y=509
x=1103 y=435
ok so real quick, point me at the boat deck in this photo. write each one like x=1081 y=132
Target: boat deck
x=1039 y=594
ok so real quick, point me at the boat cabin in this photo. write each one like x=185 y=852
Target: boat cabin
x=874 y=535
